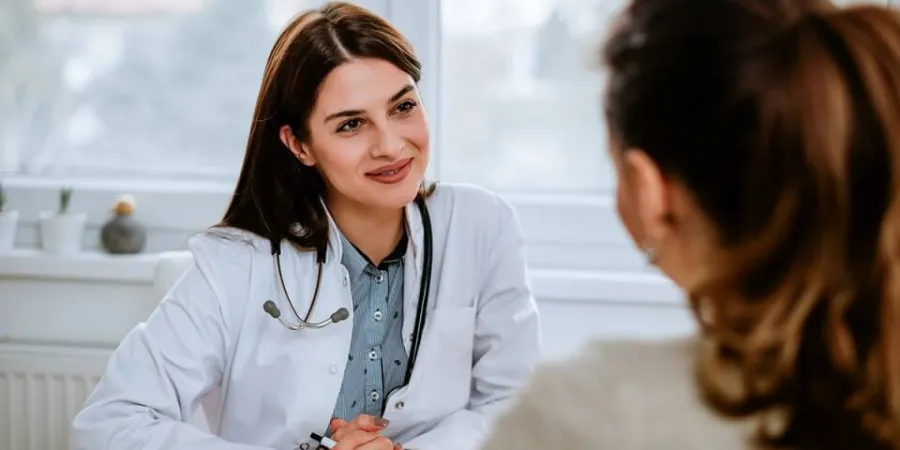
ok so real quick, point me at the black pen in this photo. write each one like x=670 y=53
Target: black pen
x=324 y=442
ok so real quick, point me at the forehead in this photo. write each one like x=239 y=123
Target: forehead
x=360 y=84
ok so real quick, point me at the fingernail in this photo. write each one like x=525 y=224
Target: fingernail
x=381 y=422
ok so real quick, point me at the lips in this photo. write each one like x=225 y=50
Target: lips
x=391 y=168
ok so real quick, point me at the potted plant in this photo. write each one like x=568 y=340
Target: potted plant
x=122 y=234
x=9 y=221
x=62 y=231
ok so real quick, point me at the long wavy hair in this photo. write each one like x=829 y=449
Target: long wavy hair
x=782 y=118
x=276 y=196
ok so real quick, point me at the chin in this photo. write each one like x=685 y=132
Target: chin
x=394 y=197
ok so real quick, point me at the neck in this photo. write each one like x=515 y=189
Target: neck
x=375 y=232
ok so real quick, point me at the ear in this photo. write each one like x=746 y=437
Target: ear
x=299 y=148
x=650 y=188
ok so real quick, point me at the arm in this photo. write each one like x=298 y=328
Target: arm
x=159 y=373
x=546 y=417
x=507 y=343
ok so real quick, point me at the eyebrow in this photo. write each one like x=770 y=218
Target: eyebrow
x=355 y=112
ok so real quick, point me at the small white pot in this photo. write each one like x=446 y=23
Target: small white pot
x=62 y=233
x=9 y=221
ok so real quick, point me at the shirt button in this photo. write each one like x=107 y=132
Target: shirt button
x=379 y=278
x=378 y=315
x=373 y=355
x=399 y=405
x=375 y=395
x=333 y=369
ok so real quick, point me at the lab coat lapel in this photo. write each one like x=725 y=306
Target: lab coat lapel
x=412 y=271
x=412 y=267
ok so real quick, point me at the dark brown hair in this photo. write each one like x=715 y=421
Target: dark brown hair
x=276 y=196
x=782 y=120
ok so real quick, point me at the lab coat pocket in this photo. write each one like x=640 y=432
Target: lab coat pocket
x=446 y=357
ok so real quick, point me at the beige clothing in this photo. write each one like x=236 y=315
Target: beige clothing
x=617 y=395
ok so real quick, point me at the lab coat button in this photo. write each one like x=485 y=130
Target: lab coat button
x=345 y=280
x=304 y=446
x=333 y=369
x=399 y=405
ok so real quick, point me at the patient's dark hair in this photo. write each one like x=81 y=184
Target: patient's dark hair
x=782 y=118
x=276 y=196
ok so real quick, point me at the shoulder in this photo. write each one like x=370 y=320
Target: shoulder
x=225 y=256
x=226 y=244
x=611 y=394
x=472 y=206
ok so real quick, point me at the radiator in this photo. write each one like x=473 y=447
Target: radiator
x=42 y=387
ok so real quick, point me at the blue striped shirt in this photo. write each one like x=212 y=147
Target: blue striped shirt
x=377 y=361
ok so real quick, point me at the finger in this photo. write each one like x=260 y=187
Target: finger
x=379 y=443
x=370 y=423
x=361 y=422
x=356 y=439
x=398 y=447
x=337 y=423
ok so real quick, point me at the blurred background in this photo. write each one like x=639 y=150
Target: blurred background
x=164 y=89
x=132 y=115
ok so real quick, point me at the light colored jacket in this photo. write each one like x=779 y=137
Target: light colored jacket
x=617 y=396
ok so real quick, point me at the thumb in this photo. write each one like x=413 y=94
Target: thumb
x=337 y=423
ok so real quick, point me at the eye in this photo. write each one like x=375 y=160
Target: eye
x=406 y=106
x=349 y=125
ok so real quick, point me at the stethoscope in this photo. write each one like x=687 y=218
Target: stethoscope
x=342 y=314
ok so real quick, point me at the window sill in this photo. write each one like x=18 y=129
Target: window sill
x=87 y=266
x=548 y=285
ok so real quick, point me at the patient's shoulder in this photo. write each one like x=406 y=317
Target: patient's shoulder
x=623 y=394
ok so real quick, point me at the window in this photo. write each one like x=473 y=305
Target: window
x=137 y=87
x=513 y=89
x=154 y=97
x=519 y=94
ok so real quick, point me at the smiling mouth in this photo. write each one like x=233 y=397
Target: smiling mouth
x=393 y=171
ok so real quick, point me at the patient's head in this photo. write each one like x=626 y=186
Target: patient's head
x=757 y=146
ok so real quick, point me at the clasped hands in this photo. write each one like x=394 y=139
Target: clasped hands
x=362 y=433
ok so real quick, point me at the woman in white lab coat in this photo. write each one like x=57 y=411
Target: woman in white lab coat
x=333 y=171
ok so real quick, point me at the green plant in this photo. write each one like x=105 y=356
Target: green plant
x=65 y=196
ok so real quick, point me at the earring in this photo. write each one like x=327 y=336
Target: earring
x=651 y=254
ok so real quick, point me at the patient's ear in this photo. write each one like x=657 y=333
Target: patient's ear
x=649 y=191
x=298 y=148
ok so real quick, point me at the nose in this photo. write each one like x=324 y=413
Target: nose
x=389 y=143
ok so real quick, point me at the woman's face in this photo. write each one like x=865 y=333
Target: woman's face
x=368 y=135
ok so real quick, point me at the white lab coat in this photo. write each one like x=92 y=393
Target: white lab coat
x=265 y=387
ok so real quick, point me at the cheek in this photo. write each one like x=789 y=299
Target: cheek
x=417 y=133
x=338 y=158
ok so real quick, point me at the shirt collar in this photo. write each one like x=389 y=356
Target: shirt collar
x=356 y=262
